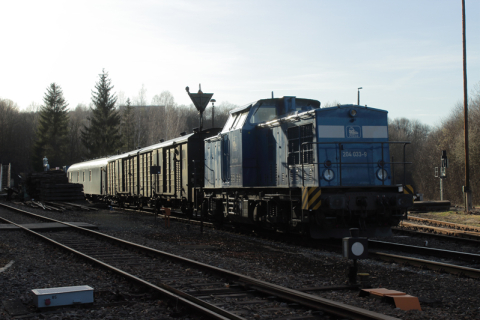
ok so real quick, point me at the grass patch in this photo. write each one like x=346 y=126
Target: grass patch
x=451 y=216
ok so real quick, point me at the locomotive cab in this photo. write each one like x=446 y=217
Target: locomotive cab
x=237 y=157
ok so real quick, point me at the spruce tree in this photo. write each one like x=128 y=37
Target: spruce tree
x=127 y=127
x=102 y=137
x=52 y=131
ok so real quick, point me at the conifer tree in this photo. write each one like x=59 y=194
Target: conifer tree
x=102 y=137
x=52 y=130
x=128 y=126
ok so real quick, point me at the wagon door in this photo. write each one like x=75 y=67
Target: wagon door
x=169 y=174
x=118 y=173
x=178 y=171
x=148 y=191
x=184 y=164
x=103 y=180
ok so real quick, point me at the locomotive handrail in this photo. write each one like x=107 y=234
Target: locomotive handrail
x=302 y=149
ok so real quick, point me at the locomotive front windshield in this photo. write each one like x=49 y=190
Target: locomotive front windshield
x=275 y=109
x=267 y=111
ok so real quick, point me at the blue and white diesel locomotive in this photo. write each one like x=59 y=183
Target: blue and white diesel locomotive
x=283 y=164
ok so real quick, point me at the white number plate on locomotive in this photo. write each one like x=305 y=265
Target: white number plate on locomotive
x=354 y=154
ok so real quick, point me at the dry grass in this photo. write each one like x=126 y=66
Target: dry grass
x=451 y=216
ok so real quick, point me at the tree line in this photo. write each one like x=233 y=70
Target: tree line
x=425 y=151
x=105 y=127
x=108 y=126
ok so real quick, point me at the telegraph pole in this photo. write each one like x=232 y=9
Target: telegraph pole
x=467 y=193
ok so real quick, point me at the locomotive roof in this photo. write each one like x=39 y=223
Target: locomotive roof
x=242 y=108
x=248 y=105
x=346 y=106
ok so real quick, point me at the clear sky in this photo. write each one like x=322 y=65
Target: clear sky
x=407 y=55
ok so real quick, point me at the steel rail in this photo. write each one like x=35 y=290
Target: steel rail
x=163 y=290
x=311 y=301
x=436 y=235
x=438 y=266
x=471 y=257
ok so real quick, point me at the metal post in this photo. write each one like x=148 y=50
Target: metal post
x=441 y=188
x=466 y=189
x=196 y=195
x=201 y=215
x=404 y=166
x=213 y=112
x=358 y=96
x=195 y=185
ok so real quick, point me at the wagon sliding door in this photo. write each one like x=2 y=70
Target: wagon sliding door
x=172 y=173
x=145 y=174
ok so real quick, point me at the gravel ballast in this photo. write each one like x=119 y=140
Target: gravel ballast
x=37 y=265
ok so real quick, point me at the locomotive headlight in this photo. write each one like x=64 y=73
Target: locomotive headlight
x=328 y=174
x=353 y=113
x=382 y=174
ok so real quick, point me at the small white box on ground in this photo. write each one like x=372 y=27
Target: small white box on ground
x=63 y=296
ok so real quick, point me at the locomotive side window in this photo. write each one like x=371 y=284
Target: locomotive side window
x=240 y=120
x=235 y=121
x=296 y=137
x=229 y=123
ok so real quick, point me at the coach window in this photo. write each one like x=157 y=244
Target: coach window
x=90 y=177
x=83 y=174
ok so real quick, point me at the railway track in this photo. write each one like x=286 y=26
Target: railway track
x=473 y=260
x=213 y=292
